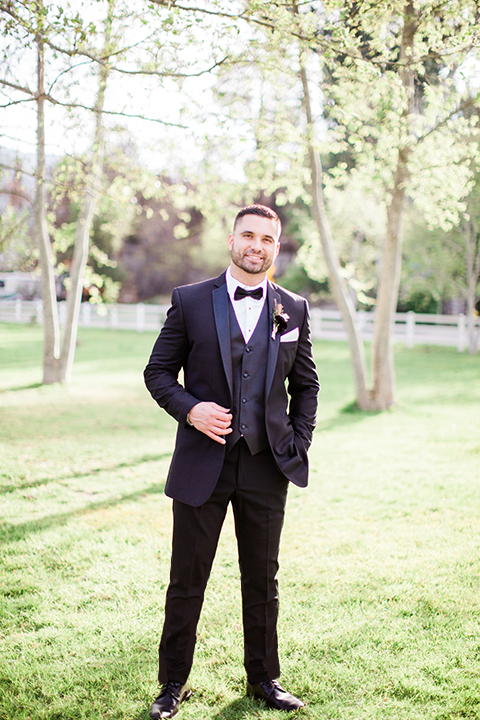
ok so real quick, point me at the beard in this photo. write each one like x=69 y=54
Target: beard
x=244 y=263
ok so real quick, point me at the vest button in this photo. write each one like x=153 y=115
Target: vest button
x=245 y=374
x=244 y=400
x=248 y=349
x=243 y=426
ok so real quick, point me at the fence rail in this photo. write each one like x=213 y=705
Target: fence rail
x=409 y=328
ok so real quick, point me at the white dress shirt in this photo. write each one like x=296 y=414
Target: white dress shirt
x=247 y=310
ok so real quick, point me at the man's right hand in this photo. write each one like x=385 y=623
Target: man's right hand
x=211 y=419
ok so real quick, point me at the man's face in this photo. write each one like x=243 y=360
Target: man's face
x=254 y=244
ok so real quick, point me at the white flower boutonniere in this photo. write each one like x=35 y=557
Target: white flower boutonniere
x=280 y=319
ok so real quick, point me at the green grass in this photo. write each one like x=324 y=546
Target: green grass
x=380 y=560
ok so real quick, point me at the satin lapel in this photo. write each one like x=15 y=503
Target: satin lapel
x=273 y=345
x=222 y=322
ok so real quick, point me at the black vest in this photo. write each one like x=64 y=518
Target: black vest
x=249 y=366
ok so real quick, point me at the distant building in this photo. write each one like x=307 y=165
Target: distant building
x=23 y=285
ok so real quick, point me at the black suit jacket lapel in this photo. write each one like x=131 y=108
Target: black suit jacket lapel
x=273 y=344
x=222 y=323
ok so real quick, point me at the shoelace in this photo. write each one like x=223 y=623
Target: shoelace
x=172 y=689
x=273 y=684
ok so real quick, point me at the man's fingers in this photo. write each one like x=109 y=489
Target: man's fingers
x=224 y=419
x=217 y=438
x=221 y=409
x=215 y=428
x=209 y=411
x=220 y=430
x=211 y=419
x=220 y=422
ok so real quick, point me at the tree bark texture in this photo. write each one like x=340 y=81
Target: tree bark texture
x=337 y=282
x=51 y=329
x=82 y=239
x=60 y=370
x=473 y=274
x=383 y=369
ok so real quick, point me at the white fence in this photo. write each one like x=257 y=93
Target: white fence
x=138 y=317
x=410 y=328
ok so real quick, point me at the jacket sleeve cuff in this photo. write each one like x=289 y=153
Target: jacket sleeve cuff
x=186 y=422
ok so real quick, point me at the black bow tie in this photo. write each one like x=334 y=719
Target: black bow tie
x=241 y=293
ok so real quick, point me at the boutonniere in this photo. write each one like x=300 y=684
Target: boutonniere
x=280 y=319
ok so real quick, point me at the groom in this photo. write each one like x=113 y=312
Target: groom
x=243 y=343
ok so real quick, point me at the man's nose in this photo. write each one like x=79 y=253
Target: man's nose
x=256 y=244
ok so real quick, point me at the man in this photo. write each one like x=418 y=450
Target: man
x=239 y=338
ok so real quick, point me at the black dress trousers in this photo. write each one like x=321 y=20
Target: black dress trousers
x=258 y=492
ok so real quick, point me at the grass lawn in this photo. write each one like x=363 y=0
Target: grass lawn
x=380 y=559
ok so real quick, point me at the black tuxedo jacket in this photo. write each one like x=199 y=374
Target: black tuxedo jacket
x=196 y=338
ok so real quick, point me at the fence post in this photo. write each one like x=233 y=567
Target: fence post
x=316 y=319
x=410 y=330
x=18 y=310
x=140 y=317
x=113 y=317
x=461 y=325
x=62 y=312
x=362 y=321
x=86 y=314
x=39 y=312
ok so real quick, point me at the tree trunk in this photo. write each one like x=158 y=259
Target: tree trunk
x=51 y=329
x=84 y=223
x=473 y=273
x=382 y=394
x=337 y=282
x=383 y=370
x=82 y=239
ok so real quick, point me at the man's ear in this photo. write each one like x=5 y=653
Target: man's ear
x=277 y=249
x=230 y=241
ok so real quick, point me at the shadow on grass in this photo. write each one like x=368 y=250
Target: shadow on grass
x=4 y=489
x=349 y=415
x=9 y=532
x=144 y=714
x=247 y=708
x=33 y=386
x=234 y=711
x=240 y=708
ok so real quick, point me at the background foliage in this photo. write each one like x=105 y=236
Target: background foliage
x=237 y=134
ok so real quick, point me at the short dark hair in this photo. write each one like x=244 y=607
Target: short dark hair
x=262 y=211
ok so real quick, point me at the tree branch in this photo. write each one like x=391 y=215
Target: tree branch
x=16 y=192
x=158 y=73
x=471 y=102
x=17 y=140
x=18 y=102
x=114 y=112
x=17 y=170
x=216 y=13
x=51 y=181
x=72 y=67
x=20 y=88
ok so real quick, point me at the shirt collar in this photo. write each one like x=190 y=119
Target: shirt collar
x=232 y=285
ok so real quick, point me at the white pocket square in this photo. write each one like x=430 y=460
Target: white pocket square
x=290 y=336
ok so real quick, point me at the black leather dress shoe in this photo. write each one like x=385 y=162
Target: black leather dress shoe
x=274 y=695
x=168 y=702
